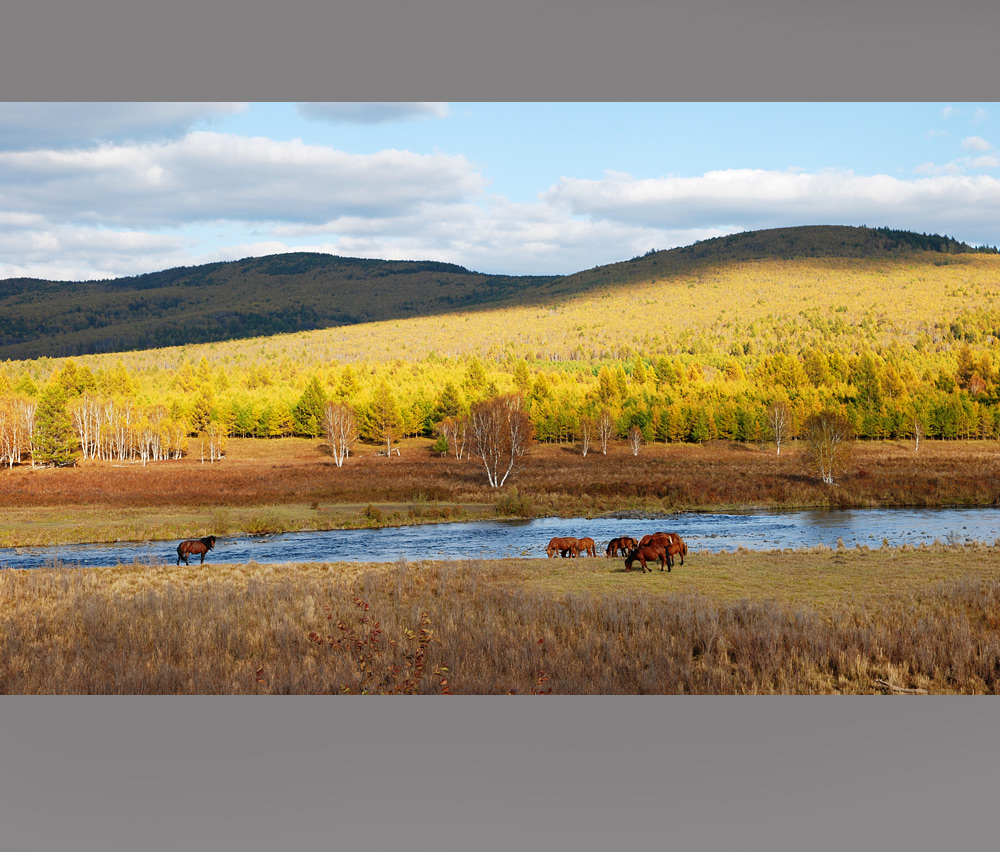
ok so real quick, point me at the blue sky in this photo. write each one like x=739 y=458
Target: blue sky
x=104 y=190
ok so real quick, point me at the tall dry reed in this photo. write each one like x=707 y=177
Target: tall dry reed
x=471 y=627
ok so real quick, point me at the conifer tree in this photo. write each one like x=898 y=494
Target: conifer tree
x=308 y=411
x=55 y=441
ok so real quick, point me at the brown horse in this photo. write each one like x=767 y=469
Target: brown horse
x=649 y=553
x=587 y=545
x=563 y=546
x=194 y=546
x=673 y=542
x=621 y=545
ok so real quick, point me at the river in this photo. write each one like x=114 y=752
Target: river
x=500 y=539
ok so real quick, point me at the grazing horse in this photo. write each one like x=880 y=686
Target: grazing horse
x=682 y=548
x=621 y=545
x=563 y=546
x=649 y=553
x=671 y=541
x=194 y=546
x=588 y=546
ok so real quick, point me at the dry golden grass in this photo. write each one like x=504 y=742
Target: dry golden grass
x=810 y=622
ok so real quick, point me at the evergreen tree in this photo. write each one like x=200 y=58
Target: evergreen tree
x=383 y=418
x=349 y=385
x=449 y=403
x=55 y=441
x=522 y=376
x=308 y=411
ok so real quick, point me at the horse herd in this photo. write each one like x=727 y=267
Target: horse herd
x=659 y=547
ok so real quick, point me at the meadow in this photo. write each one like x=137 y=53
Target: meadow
x=906 y=620
x=283 y=485
x=685 y=352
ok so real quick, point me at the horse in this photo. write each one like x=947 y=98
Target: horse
x=673 y=542
x=649 y=553
x=621 y=545
x=588 y=546
x=194 y=546
x=563 y=546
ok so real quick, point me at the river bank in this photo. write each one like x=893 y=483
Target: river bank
x=704 y=533
x=270 y=487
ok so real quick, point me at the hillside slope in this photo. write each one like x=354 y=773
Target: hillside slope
x=262 y=297
x=239 y=299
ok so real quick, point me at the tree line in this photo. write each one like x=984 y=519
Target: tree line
x=52 y=412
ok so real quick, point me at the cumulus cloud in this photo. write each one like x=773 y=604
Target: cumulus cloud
x=758 y=199
x=376 y=112
x=210 y=176
x=976 y=143
x=114 y=209
x=66 y=253
x=71 y=125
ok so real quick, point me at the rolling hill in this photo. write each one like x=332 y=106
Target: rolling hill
x=261 y=297
x=254 y=297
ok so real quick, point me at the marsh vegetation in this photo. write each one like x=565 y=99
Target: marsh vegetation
x=824 y=621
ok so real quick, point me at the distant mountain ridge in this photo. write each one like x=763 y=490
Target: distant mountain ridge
x=300 y=291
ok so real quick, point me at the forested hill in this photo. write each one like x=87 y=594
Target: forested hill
x=803 y=243
x=302 y=291
x=239 y=299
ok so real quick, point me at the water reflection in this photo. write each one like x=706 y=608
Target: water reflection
x=505 y=539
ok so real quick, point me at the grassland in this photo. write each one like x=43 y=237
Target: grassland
x=292 y=484
x=823 y=621
x=675 y=333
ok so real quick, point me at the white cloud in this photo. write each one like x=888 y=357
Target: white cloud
x=116 y=209
x=61 y=125
x=952 y=168
x=209 y=176
x=760 y=199
x=976 y=143
x=949 y=111
x=64 y=253
x=376 y=112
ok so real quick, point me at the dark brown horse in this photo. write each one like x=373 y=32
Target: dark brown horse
x=587 y=545
x=673 y=542
x=194 y=546
x=621 y=545
x=649 y=553
x=563 y=546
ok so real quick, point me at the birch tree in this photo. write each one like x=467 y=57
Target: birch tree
x=779 y=421
x=586 y=433
x=340 y=426
x=635 y=440
x=604 y=427
x=828 y=439
x=501 y=433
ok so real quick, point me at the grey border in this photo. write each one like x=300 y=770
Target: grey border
x=752 y=50
x=489 y=773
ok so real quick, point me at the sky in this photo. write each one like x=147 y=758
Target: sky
x=91 y=191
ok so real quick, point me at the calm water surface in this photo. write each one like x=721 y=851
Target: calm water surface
x=496 y=539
